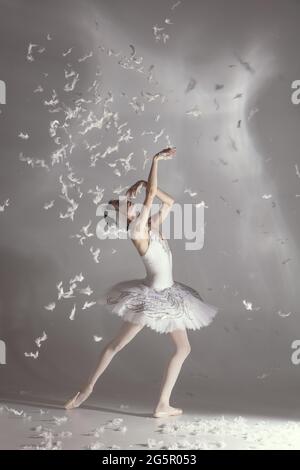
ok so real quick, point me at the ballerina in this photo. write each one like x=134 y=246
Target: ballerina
x=157 y=301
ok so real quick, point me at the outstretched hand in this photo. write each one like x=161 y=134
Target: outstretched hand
x=166 y=154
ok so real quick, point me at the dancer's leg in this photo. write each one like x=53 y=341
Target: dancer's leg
x=173 y=368
x=127 y=332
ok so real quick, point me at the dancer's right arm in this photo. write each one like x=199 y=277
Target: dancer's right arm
x=151 y=187
x=142 y=220
x=141 y=224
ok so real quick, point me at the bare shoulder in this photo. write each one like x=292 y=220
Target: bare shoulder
x=140 y=239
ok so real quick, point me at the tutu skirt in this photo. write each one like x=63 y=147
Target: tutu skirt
x=176 y=307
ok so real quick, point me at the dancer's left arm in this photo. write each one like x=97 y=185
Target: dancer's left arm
x=166 y=199
x=167 y=203
x=135 y=188
x=151 y=187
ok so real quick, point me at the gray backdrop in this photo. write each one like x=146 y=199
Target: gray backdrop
x=98 y=85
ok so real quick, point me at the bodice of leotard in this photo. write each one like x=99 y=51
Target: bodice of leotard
x=158 y=262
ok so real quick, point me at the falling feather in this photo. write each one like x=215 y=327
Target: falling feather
x=67 y=52
x=95 y=253
x=248 y=305
x=77 y=278
x=87 y=291
x=4 y=205
x=284 y=315
x=88 y=304
x=41 y=339
x=23 y=135
x=31 y=354
x=73 y=311
x=87 y=56
x=191 y=85
x=190 y=192
x=50 y=306
x=195 y=112
x=49 y=204
x=175 y=5
x=97 y=338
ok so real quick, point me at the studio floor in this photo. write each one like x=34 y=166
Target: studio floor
x=115 y=425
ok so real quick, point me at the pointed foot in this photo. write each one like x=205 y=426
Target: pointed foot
x=78 y=399
x=167 y=411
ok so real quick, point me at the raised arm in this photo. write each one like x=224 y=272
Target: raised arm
x=152 y=190
x=162 y=195
x=168 y=201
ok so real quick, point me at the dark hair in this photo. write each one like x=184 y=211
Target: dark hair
x=111 y=202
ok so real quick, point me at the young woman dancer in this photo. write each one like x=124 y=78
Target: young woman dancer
x=159 y=302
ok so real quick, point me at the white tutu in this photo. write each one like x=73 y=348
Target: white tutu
x=157 y=301
x=173 y=308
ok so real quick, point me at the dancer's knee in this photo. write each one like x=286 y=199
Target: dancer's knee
x=115 y=346
x=187 y=351
x=183 y=351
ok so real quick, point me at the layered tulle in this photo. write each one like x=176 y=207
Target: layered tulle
x=172 y=308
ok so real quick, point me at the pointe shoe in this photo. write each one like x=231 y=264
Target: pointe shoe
x=76 y=401
x=70 y=404
x=172 y=412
